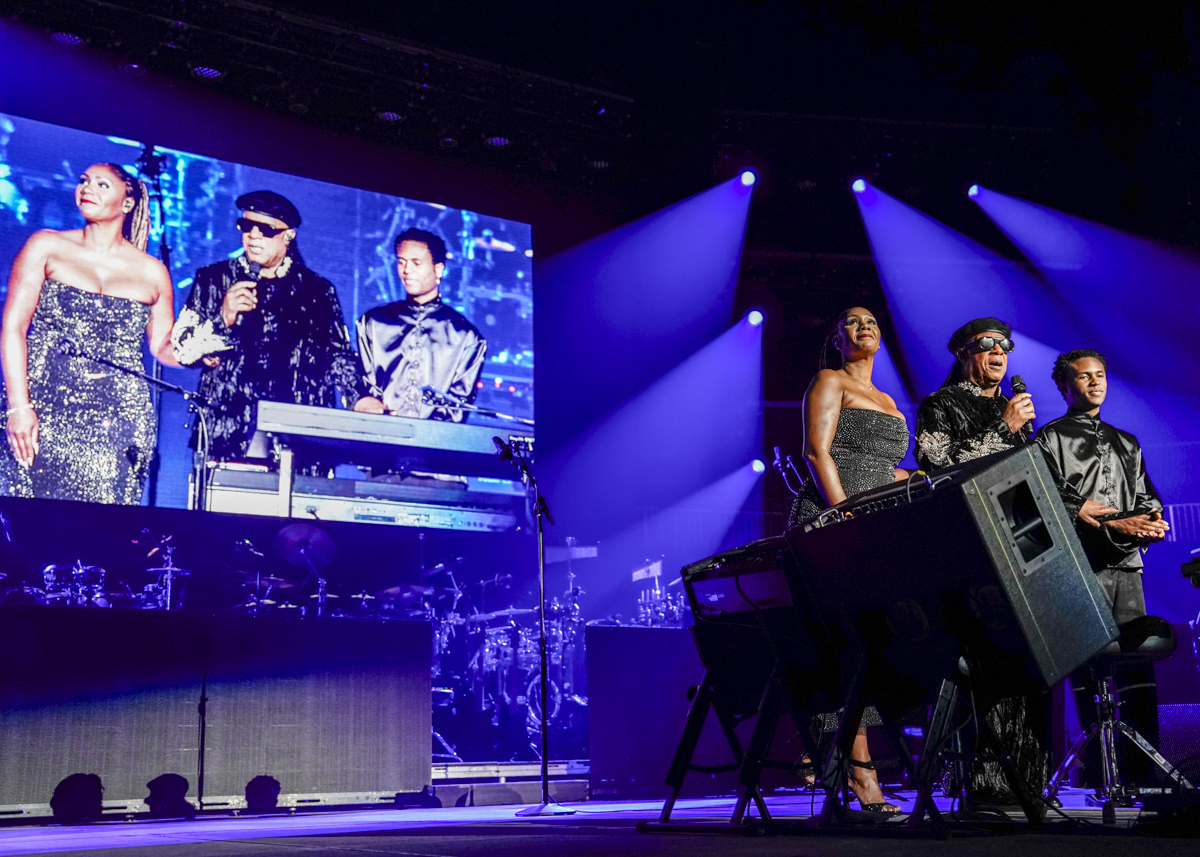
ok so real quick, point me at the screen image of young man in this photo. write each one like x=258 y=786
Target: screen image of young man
x=420 y=342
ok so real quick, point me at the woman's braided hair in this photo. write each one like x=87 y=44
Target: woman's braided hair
x=136 y=228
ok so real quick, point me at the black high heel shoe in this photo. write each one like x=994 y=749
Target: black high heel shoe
x=881 y=807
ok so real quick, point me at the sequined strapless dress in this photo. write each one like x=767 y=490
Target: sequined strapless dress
x=96 y=424
x=866 y=447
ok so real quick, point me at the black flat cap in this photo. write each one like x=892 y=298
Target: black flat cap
x=271 y=204
x=979 y=325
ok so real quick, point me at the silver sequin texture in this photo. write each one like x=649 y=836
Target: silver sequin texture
x=866 y=447
x=97 y=425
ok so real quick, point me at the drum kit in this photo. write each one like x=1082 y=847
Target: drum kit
x=486 y=663
x=80 y=585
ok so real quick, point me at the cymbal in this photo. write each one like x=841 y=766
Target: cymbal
x=142 y=575
x=177 y=572
x=487 y=617
x=328 y=595
x=405 y=590
x=267 y=581
x=303 y=543
x=448 y=565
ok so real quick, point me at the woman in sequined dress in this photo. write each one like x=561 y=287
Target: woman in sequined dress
x=78 y=429
x=854 y=436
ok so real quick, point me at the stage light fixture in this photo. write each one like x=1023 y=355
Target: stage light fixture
x=757 y=465
x=858 y=185
x=598 y=164
x=755 y=318
x=748 y=177
x=973 y=191
x=496 y=142
x=67 y=40
x=133 y=69
x=388 y=116
x=207 y=73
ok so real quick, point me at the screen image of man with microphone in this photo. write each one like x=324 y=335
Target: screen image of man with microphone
x=264 y=327
x=420 y=345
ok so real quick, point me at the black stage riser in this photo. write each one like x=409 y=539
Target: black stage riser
x=638 y=678
x=916 y=579
x=327 y=707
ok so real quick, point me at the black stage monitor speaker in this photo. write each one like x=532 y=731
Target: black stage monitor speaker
x=983 y=555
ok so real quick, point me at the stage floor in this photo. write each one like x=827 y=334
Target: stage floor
x=597 y=828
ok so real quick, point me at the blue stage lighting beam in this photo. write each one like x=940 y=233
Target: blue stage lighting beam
x=935 y=279
x=1121 y=284
x=618 y=311
x=699 y=420
x=705 y=522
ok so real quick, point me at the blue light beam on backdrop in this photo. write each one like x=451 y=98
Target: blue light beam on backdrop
x=1121 y=284
x=616 y=312
x=935 y=279
x=697 y=422
x=700 y=524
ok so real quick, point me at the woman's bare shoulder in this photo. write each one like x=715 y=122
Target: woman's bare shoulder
x=826 y=381
x=52 y=240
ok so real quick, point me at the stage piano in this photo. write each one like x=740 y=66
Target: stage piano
x=442 y=475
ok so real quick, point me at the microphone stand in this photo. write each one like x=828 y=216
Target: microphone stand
x=512 y=452
x=150 y=165
x=197 y=404
x=438 y=399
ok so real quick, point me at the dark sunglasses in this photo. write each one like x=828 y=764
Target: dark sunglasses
x=246 y=225
x=987 y=343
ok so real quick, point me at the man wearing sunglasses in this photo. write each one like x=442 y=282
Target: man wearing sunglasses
x=264 y=326
x=968 y=417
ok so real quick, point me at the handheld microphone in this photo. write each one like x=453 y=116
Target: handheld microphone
x=254 y=276
x=1018 y=387
x=503 y=451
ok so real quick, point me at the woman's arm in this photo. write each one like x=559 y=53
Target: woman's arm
x=822 y=405
x=24 y=289
x=162 y=316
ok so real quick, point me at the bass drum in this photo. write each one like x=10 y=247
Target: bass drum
x=528 y=656
x=533 y=701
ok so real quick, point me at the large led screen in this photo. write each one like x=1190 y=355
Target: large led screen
x=346 y=236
